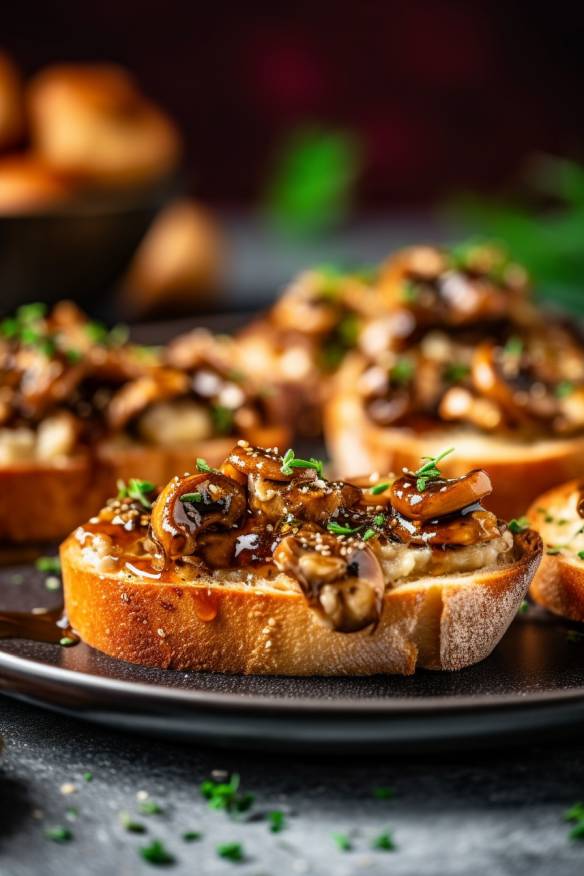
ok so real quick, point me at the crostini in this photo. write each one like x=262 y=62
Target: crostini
x=300 y=342
x=80 y=407
x=460 y=355
x=263 y=566
x=558 y=516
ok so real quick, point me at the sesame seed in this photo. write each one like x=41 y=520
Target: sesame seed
x=161 y=633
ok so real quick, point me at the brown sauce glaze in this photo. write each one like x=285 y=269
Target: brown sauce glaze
x=50 y=626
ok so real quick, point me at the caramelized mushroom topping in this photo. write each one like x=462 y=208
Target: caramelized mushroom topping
x=264 y=463
x=330 y=536
x=476 y=526
x=345 y=590
x=440 y=496
x=313 y=500
x=188 y=506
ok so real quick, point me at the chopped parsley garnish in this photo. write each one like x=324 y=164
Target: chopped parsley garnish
x=119 y=335
x=231 y=851
x=574 y=636
x=9 y=327
x=384 y=842
x=430 y=471
x=67 y=641
x=150 y=807
x=50 y=565
x=555 y=549
x=73 y=356
x=581 y=555
x=192 y=836
x=369 y=533
x=563 y=389
x=518 y=524
x=342 y=841
x=380 y=488
x=191 y=497
x=524 y=607
x=289 y=462
x=31 y=312
x=513 y=347
x=338 y=529
x=204 y=466
x=409 y=292
x=348 y=330
x=59 y=834
x=454 y=372
x=379 y=519
x=402 y=372
x=72 y=813
x=222 y=419
x=129 y=824
x=383 y=793
x=88 y=776
x=226 y=795
x=156 y=853
x=276 y=820
x=96 y=332
x=137 y=490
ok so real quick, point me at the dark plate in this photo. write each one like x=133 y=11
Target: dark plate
x=533 y=681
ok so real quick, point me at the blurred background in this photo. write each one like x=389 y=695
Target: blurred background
x=291 y=134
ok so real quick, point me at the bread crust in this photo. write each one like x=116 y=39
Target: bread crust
x=519 y=471
x=558 y=584
x=43 y=501
x=447 y=622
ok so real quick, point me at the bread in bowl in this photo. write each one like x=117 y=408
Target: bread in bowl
x=459 y=355
x=12 y=122
x=80 y=408
x=557 y=516
x=263 y=566
x=92 y=123
x=28 y=185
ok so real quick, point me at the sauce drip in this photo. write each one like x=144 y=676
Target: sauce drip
x=50 y=626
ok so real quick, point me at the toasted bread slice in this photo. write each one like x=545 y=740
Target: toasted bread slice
x=520 y=471
x=234 y=625
x=262 y=566
x=559 y=582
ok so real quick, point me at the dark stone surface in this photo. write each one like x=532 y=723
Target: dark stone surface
x=481 y=812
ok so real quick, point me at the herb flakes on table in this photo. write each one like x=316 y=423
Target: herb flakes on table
x=157 y=853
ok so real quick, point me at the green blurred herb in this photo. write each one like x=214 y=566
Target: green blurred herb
x=384 y=842
x=156 y=853
x=59 y=834
x=222 y=419
x=342 y=841
x=542 y=227
x=313 y=178
x=231 y=851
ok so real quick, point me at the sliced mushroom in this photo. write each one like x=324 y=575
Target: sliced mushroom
x=134 y=397
x=312 y=500
x=307 y=305
x=188 y=506
x=346 y=591
x=458 y=531
x=265 y=464
x=440 y=496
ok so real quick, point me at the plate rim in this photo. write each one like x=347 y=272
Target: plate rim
x=26 y=667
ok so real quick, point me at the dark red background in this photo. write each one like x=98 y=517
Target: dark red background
x=444 y=94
